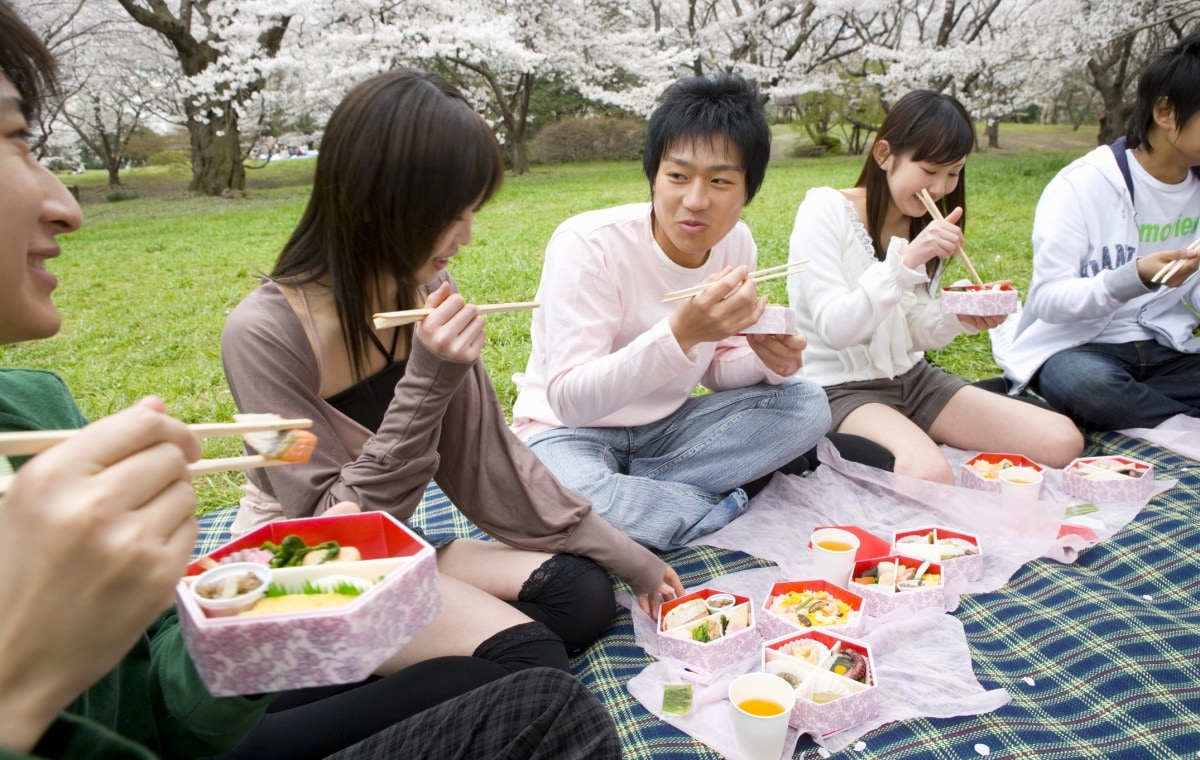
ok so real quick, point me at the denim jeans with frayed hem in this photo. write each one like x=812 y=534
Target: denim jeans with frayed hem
x=676 y=479
x=1114 y=386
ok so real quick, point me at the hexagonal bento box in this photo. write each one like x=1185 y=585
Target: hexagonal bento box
x=833 y=675
x=709 y=630
x=394 y=595
x=1109 y=479
x=793 y=606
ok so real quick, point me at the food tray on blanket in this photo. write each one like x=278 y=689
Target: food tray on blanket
x=956 y=551
x=327 y=622
x=709 y=630
x=833 y=678
x=792 y=606
x=1109 y=479
x=982 y=471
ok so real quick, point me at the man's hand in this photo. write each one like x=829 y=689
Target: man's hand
x=725 y=308
x=782 y=354
x=94 y=534
x=1150 y=266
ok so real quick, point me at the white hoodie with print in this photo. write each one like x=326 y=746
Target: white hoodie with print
x=1085 y=249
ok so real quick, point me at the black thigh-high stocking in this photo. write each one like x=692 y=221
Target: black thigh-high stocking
x=572 y=595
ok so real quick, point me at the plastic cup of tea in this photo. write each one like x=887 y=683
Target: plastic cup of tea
x=762 y=706
x=833 y=551
x=1020 y=482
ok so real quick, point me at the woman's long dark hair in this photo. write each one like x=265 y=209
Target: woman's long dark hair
x=922 y=126
x=403 y=156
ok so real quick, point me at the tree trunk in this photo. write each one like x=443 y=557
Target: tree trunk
x=216 y=152
x=113 y=166
x=993 y=134
x=1109 y=71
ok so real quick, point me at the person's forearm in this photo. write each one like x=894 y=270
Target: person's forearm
x=29 y=702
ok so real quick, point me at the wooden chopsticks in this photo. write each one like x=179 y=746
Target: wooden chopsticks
x=1168 y=270
x=762 y=275
x=927 y=201
x=396 y=318
x=29 y=442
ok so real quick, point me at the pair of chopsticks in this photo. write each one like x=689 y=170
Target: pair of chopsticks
x=1169 y=269
x=396 y=318
x=30 y=442
x=927 y=201
x=762 y=275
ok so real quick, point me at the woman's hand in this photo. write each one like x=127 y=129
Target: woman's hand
x=455 y=329
x=94 y=535
x=939 y=240
x=670 y=588
x=725 y=308
x=981 y=323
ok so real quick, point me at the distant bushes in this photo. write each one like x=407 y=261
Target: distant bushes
x=823 y=145
x=579 y=138
x=174 y=158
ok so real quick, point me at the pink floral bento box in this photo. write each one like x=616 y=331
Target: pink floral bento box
x=1106 y=479
x=834 y=678
x=990 y=299
x=885 y=584
x=394 y=595
x=982 y=471
x=793 y=606
x=956 y=551
x=708 y=630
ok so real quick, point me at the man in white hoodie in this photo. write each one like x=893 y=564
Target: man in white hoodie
x=1104 y=337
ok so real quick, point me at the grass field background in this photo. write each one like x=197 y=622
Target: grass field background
x=146 y=285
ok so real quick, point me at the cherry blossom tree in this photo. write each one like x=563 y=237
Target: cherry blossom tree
x=225 y=48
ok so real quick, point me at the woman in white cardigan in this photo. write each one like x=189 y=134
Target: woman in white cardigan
x=870 y=312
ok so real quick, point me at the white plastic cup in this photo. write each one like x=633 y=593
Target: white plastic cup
x=1020 y=482
x=833 y=552
x=760 y=737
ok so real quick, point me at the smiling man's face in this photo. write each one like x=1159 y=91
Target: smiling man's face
x=699 y=193
x=34 y=207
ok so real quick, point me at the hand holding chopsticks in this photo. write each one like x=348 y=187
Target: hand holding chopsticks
x=28 y=443
x=396 y=318
x=927 y=201
x=762 y=275
x=1168 y=270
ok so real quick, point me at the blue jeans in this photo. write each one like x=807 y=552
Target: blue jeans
x=673 y=480
x=1113 y=386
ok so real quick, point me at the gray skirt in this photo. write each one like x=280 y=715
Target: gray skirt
x=919 y=394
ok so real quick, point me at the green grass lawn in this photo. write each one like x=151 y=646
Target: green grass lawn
x=146 y=285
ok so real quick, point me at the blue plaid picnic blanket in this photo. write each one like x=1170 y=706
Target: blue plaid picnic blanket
x=1110 y=644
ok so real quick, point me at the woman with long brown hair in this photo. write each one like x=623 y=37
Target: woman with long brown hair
x=404 y=166
x=868 y=303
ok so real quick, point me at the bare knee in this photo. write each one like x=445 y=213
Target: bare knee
x=1059 y=442
x=932 y=468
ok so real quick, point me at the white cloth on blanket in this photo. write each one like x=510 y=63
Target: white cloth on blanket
x=1011 y=531
x=1180 y=434
x=921 y=662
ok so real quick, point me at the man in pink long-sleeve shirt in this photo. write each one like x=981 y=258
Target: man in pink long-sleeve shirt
x=606 y=400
